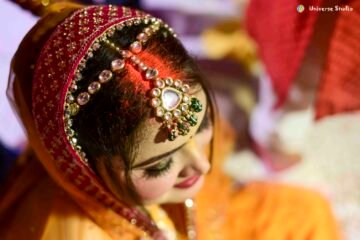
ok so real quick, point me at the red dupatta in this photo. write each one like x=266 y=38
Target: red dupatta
x=283 y=36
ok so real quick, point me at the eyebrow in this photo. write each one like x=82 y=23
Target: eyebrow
x=164 y=155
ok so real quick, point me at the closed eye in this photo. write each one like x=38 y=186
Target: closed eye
x=159 y=169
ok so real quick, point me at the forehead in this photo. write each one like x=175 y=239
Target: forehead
x=153 y=138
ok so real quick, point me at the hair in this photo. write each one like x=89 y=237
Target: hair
x=106 y=127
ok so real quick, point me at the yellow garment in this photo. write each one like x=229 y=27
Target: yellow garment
x=162 y=220
x=40 y=204
x=260 y=210
x=255 y=211
x=230 y=40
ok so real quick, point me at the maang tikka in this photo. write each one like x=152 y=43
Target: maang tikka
x=169 y=98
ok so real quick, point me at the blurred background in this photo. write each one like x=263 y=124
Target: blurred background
x=286 y=80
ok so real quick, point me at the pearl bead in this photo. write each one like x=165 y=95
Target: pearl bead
x=185 y=88
x=168 y=116
x=186 y=99
x=184 y=107
x=189 y=203
x=151 y=73
x=177 y=113
x=155 y=92
x=105 y=76
x=169 y=81
x=117 y=65
x=94 y=87
x=77 y=77
x=73 y=141
x=142 y=37
x=136 y=47
x=159 y=112
x=159 y=83
x=155 y=102
x=142 y=66
x=177 y=83
x=83 y=98
x=96 y=46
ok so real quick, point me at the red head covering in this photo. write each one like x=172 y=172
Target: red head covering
x=66 y=49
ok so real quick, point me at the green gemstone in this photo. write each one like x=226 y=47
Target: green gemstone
x=192 y=119
x=171 y=136
x=183 y=128
x=195 y=105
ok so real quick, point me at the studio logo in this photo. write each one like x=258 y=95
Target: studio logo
x=300 y=8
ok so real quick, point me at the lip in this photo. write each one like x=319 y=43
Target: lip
x=188 y=182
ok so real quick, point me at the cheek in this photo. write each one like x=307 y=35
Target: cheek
x=204 y=138
x=152 y=188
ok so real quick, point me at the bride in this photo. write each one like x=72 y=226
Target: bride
x=124 y=142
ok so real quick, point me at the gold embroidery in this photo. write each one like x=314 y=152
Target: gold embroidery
x=71 y=46
x=48 y=60
x=59 y=53
x=51 y=151
x=126 y=12
x=65 y=153
x=51 y=124
x=70 y=36
x=98 y=21
x=51 y=73
x=57 y=140
x=54 y=145
x=61 y=64
x=83 y=30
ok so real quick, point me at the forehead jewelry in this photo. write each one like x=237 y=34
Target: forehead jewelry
x=170 y=99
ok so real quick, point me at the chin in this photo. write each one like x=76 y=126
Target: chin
x=180 y=195
x=177 y=195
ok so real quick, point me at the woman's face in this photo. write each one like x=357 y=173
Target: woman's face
x=167 y=171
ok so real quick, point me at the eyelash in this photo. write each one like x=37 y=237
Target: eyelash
x=154 y=172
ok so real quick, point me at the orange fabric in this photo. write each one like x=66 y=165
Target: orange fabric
x=260 y=210
x=271 y=211
x=256 y=211
x=48 y=212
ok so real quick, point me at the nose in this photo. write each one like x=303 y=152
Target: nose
x=195 y=160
